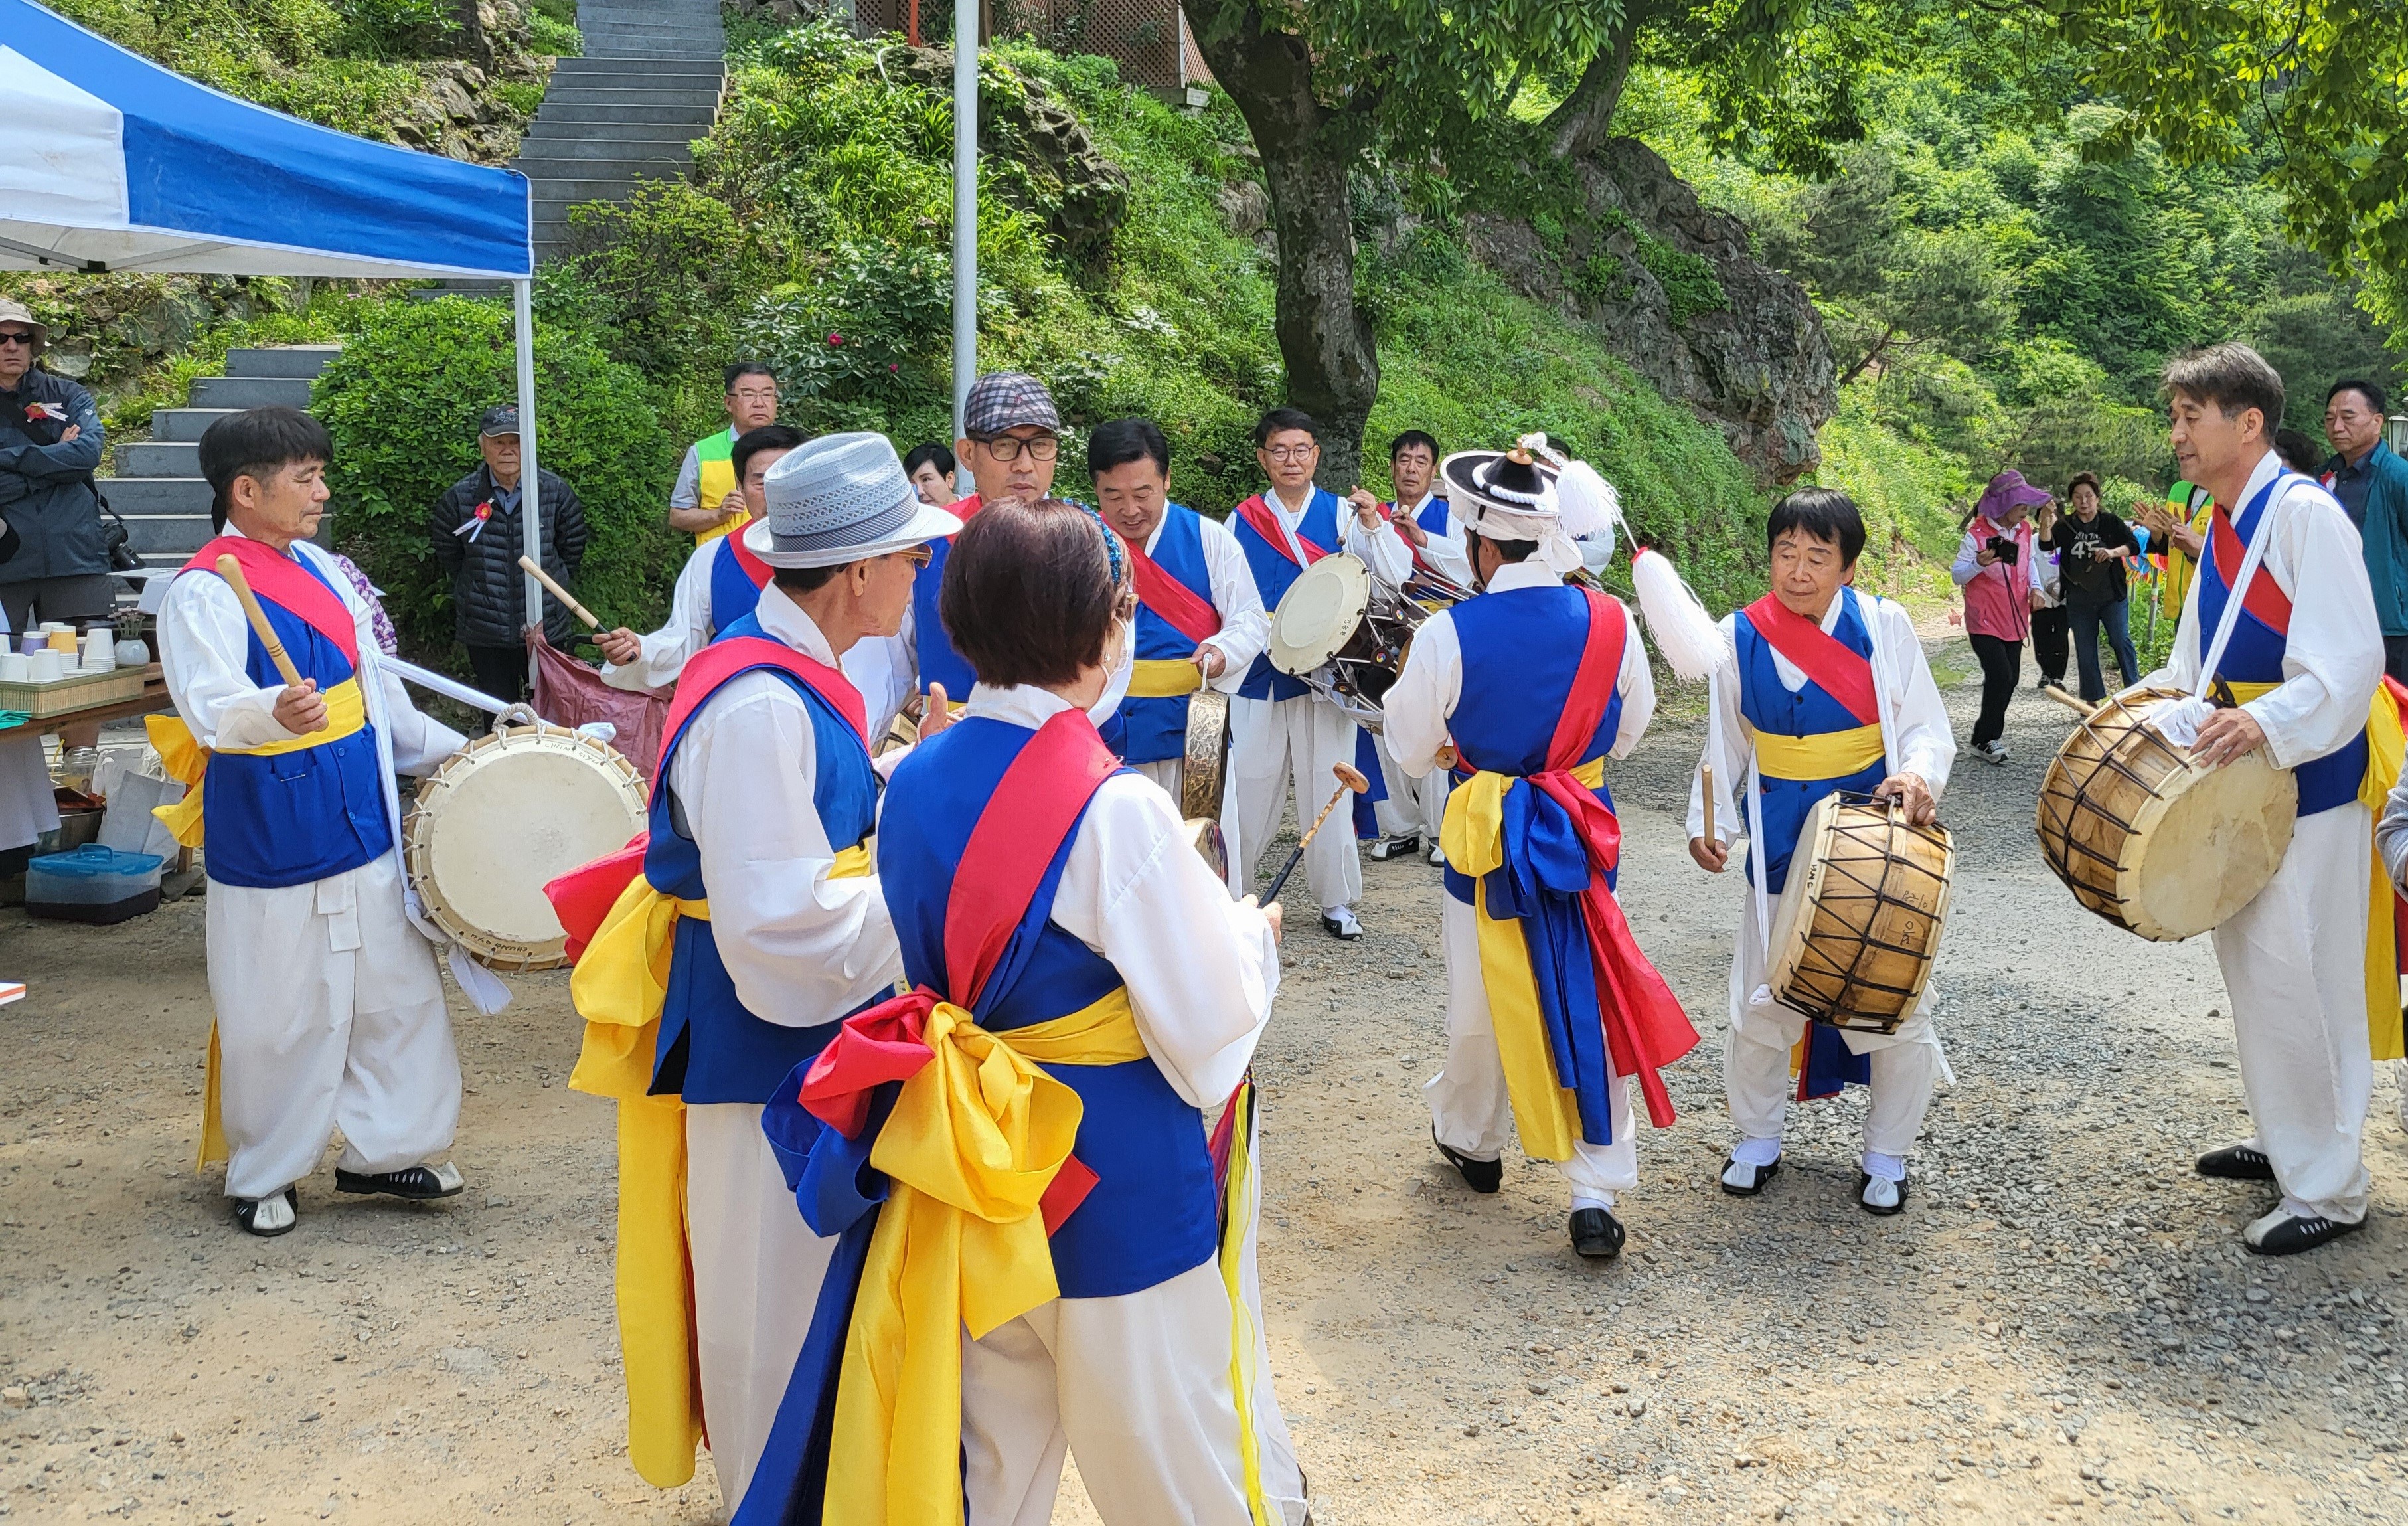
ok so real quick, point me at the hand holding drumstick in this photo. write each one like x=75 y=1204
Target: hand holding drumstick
x=299 y=708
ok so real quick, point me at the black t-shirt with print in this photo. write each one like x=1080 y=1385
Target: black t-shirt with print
x=2088 y=582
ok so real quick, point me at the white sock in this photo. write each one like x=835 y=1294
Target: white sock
x=1884 y=1168
x=1759 y=1153
x=1583 y=1200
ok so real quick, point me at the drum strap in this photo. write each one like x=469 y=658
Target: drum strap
x=187 y=761
x=2238 y=588
x=1181 y=606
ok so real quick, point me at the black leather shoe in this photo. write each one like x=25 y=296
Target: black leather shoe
x=1864 y=1186
x=2294 y=1235
x=1479 y=1175
x=417 y=1183
x=2237 y=1163
x=247 y=1213
x=1595 y=1233
x=1385 y=848
x=1751 y=1184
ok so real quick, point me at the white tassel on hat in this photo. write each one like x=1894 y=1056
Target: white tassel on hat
x=1587 y=502
x=1687 y=636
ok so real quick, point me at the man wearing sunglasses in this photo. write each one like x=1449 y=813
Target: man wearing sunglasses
x=50 y=441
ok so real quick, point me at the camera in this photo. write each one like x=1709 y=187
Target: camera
x=2005 y=549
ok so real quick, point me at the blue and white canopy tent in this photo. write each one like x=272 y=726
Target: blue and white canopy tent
x=116 y=164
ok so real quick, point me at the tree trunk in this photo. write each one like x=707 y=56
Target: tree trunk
x=1333 y=368
x=1579 y=124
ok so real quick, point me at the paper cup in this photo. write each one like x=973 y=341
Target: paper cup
x=46 y=667
x=15 y=668
x=62 y=641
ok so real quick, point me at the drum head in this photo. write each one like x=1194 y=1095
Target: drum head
x=1207 y=756
x=1318 y=613
x=2221 y=838
x=501 y=819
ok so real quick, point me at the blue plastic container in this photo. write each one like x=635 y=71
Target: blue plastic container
x=93 y=883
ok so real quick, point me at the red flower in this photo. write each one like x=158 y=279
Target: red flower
x=891 y=366
x=835 y=338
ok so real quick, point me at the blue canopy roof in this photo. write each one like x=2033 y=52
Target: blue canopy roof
x=113 y=162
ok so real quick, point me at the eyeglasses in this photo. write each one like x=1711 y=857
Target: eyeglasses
x=1291 y=453
x=1008 y=447
x=917 y=556
x=17 y=336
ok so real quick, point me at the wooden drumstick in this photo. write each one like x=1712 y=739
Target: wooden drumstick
x=231 y=570
x=1707 y=769
x=559 y=593
x=2080 y=707
x=1350 y=782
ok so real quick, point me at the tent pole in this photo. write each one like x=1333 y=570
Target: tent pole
x=530 y=494
x=965 y=39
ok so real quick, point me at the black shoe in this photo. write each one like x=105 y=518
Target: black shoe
x=1595 y=1233
x=1479 y=1175
x=1385 y=848
x=2294 y=1235
x=1865 y=1182
x=1755 y=1183
x=417 y=1183
x=2237 y=1163
x=1341 y=925
x=245 y=1214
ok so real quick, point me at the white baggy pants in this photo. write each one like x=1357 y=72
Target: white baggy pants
x=2294 y=961
x=1276 y=745
x=757 y=1268
x=1139 y=1387
x=1471 y=1110
x=1413 y=805
x=330 y=1015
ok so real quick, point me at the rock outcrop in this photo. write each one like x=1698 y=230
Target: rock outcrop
x=1671 y=287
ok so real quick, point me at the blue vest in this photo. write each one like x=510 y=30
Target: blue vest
x=1770 y=706
x=294 y=817
x=1148 y=729
x=939 y=662
x=2255 y=656
x=711 y=1049
x=1521 y=650
x=1433 y=515
x=1151 y=1214
x=733 y=595
x=1273 y=572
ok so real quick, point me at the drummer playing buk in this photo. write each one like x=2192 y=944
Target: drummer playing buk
x=2304 y=657
x=1822 y=689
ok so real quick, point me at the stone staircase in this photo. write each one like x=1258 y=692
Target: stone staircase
x=159 y=490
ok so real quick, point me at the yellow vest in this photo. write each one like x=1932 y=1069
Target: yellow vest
x=718 y=478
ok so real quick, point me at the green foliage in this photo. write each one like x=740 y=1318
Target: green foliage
x=553 y=29
x=1911 y=496
x=402 y=403
x=1688 y=279
x=394 y=29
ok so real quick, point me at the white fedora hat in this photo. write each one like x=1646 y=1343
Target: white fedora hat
x=841 y=498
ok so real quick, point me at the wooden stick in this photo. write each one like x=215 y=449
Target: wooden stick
x=559 y=593
x=1707 y=770
x=231 y=570
x=1350 y=782
x=2080 y=707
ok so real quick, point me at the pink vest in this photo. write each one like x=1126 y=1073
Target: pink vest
x=1997 y=602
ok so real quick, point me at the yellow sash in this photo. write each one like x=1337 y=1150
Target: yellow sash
x=1163 y=678
x=187 y=761
x=1832 y=755
x=2384 y=744
x=974 y=1141
x=716 y=479
x=618 y=986
x=1546 y=1114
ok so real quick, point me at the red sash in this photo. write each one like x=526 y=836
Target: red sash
x=965 y=510
x=584 y=896
x=291 y=586
x=755 y=568
x=2265 y=600
x=1397 y=523
x=1646 y=1029
x=1024 y=824
x=1820 y=656
x=1265 y=522
x=1188 y=613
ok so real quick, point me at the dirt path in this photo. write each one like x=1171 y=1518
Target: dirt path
x=2061 y=1326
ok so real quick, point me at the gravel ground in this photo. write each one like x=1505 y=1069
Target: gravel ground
x=2061 y=1326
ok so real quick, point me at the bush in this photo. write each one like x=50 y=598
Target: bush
x=402 y=403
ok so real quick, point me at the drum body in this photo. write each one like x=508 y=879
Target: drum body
x=1206 y=761
x=1345 y=634
x=1858 y=923
x=2149 y=840
x=503 y=815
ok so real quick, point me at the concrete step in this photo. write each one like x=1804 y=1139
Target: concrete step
x=617 y=132
x=184 y=423
x=160 y=535
x=286 y=360
x=706 y=93
x=591 y=152
x=135 y=497
x=578 y=69
x=629 y=73
x=250 y=392
x=697 y=115
x=554 y=196
x=698 y=34
x=158 y=458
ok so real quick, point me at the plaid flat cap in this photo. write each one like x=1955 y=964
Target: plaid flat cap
x=1003 y=400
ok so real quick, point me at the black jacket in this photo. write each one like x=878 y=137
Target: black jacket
x=46 y=489
x=488 y=587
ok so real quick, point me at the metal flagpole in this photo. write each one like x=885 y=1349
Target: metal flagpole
x=966 y=37
x=530 y=496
